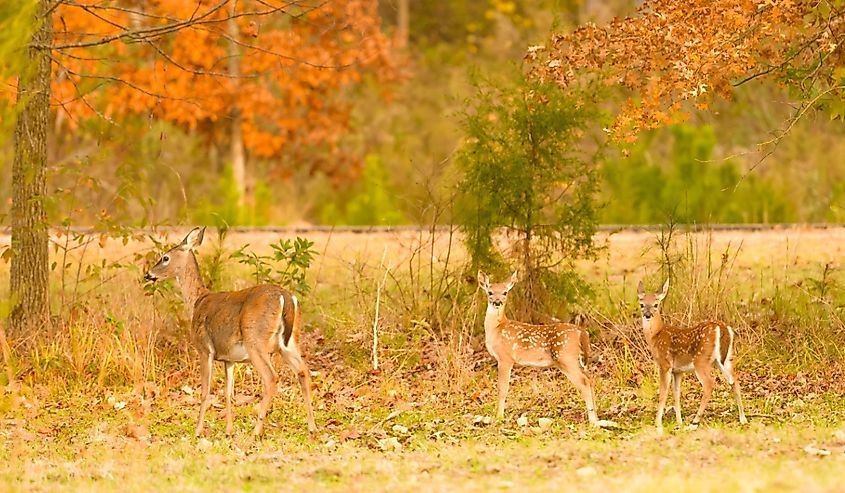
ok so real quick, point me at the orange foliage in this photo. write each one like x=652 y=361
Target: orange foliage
x=677 y=51
x=294 y=69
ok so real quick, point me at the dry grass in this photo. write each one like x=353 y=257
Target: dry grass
x=117 y=362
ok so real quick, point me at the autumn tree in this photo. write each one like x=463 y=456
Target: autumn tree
x=269 y=82
x=170 y=59
x=680 y=53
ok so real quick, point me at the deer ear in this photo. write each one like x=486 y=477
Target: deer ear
x=664 y=292
x=194 y=239
x=640 y=289
x=483 y=280
x=512 y=280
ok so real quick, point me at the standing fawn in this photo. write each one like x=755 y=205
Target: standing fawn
x=678 y=350
x=564 y=346
x=235 y=327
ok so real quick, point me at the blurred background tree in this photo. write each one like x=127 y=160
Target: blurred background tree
x=254 y=112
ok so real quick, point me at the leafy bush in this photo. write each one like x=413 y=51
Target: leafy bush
x=287 y=265
x=523 y=173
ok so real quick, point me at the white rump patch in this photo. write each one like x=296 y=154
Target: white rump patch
x=281 y=332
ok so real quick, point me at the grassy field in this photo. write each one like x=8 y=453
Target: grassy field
x=107 y=399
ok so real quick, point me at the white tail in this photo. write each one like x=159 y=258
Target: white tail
x=564 y=346
x=238 y=326
x=678 y=350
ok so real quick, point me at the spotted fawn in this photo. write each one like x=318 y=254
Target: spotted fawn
x=564 y=346
x=679 y=350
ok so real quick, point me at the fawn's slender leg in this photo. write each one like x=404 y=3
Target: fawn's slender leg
x=738 y=395
x=504 y=368
x=706 y=379
x=230 y=393
x=206 y=367
x=730 y=377
x=261 y=362
x=581 y=381
x=665 y=373
x=676 y=389
x=295 y=361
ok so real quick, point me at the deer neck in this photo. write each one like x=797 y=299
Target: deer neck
x=190 y=282
x=652 y=327
x=494 y=318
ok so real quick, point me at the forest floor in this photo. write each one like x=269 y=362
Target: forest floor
x=409 y=428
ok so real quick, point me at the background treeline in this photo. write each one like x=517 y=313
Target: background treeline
x=394 y=129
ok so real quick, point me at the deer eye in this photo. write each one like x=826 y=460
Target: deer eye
x=490 y=293
x=642 y=305
x=166 y=258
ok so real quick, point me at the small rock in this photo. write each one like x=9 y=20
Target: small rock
x=586 y=471
x=522 y=420
x=545 y=423
x=400 y=429
x=813 y=450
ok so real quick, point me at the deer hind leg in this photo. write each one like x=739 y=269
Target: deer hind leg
x=728 y=372
x=664 y=376
x=230 y=393
x=294 y=359
x=581 y=381
x=730 y=377
x=261 y=362
x=706 y=379
x=206 y=368
x=676 y=390
x=504 y=369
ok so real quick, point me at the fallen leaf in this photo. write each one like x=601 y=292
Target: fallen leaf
x=586 y=471
x=400 y=429
x=522 y=421
x=138 y=432
x=545 y=423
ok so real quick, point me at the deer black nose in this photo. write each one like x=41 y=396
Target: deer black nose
x=497 y=303
x=149 y=277
x=647 y=316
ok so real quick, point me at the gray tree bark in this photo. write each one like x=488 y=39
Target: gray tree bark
x=28 y=280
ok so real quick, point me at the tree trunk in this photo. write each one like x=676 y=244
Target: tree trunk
x=29 y=269
x=402 y=24
x=237 y=139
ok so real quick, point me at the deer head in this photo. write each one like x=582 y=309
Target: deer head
x=172 y=263
x=497 y=293
x=650 y=303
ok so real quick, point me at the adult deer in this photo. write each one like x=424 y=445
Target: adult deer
x=678 y=350
x=564 y=346
x=235 y=327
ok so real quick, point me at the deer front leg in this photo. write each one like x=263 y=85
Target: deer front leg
x=661 y=400
x=206 y=367
x=504 y=368
x=676 y=390
x=230 y=393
